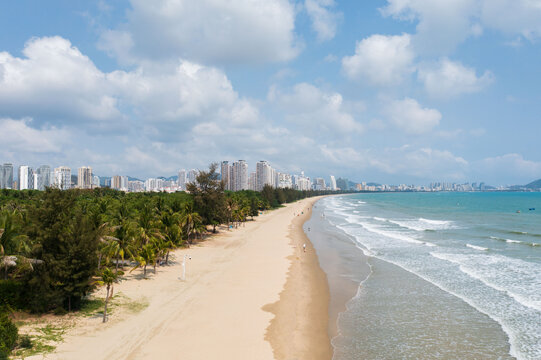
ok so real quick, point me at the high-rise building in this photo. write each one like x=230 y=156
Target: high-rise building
x=191 y=177
x=319 y=184
x=301 y=182
x=252 y=181
x=333 y=183
x=84 y=178
x=263 y=174
x=95 y=181
x=240 y=175
x=43 y=177
x=182 y=180
x=62 y=177
x=342 y=184
x=6 y=176
x=284 y=181
x=26 y=177
x=225 y=171
x=116 y=182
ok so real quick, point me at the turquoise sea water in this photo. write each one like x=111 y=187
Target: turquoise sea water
x=454 y=275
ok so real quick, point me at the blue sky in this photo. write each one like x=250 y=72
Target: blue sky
x=393 y=91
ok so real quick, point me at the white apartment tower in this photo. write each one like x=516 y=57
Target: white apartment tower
x=226 y=171
x=43 y=177
x=263 y=175
x=26 y=177
x=84 y=178
x=62 y=177
x=240 y=175
x=333 y=183
x=182 y=180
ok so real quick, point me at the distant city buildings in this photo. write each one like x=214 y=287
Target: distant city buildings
x=235 y=177
x=84 y=178
x=182 y=180
x=6 y=176
x=26 y=177
x=62 y=178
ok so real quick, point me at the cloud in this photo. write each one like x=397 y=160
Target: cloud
x=423 y=163
x=409 y=116
x=55 y=80
x=380 y=59
x=205 y=31
x=447 y=79
x=19 y=136
x=443 y=25
x=324 y=21
x=316 y=111
x=512 y=168
x=514 y=17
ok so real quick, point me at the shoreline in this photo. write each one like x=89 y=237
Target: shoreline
x=224 y=308
x=299 y=329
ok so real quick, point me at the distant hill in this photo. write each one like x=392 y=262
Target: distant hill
x=534 y=185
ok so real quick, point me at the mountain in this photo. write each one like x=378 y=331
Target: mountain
x=534 y=185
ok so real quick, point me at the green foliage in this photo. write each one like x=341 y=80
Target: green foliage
x=8 y=335
x=10 y=294
x=25 y=342
x=58 y=242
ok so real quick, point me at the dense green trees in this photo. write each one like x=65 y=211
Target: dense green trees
x=55 y=246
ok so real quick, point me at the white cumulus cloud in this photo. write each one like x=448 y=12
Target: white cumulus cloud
x=317 y=111
x=205 y=31
x=20 y=136
x=55 y=80
x=409 y=116
x=380 y=59
x=324 y=20
x=449 y=78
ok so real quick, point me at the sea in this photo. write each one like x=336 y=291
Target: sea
x=441 y=275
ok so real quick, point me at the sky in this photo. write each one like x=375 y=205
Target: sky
x=388 y=91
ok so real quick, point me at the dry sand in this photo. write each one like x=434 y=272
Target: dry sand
x=224 y=307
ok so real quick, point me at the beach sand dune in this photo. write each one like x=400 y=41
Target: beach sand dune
x=223 y=309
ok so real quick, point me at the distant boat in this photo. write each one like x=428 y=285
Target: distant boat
x=518 y=211
x=531 y=209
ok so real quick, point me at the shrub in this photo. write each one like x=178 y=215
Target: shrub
x=25 y=342
x=8 y=335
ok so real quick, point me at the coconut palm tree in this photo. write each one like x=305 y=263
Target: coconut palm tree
x=13 y=245
x=120 y=243
x=108 y=278
x=146 y=256
x=190 y=220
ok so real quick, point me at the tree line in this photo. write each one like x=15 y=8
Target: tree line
x=57 y=246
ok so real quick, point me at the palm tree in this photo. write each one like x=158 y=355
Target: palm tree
x=146 y=256
x=120 y=243
x=190 y=220
x=13 y=245
x=108 y=278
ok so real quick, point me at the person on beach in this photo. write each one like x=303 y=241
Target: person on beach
x=304 y=247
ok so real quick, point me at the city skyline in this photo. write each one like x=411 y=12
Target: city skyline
x=391 y=91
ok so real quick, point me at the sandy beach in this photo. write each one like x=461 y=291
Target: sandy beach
x=249 y=293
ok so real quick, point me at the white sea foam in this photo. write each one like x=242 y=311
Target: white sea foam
x=520 y=279
x=421 y=224
x=379 y=219
x=480 y=248
x=514 y=241
x=390 y=234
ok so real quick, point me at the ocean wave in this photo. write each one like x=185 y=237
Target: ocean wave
x=477 y=247
x=390 y=234
x=421 y=224
x=511 y=241
x=513 y=277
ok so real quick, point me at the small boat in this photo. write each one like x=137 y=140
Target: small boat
x=518 y=211
x=531 y=209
